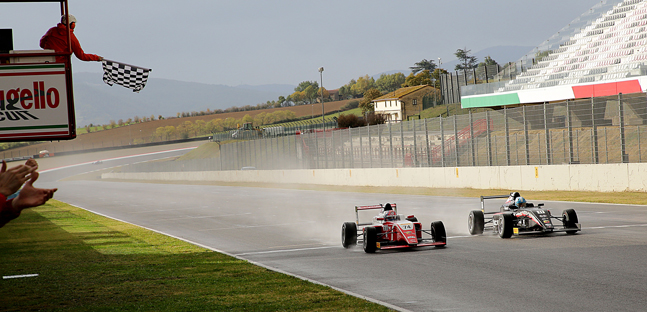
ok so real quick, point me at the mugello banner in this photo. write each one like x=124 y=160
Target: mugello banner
x=34 y=103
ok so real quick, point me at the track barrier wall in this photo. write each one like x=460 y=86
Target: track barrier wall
x=597 y=178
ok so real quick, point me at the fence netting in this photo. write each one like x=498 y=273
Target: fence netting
x=600 y=130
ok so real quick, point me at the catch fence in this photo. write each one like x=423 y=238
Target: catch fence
x=600 y=130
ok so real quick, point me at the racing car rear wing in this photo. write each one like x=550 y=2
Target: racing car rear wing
x=358 y=208
x=483 y=198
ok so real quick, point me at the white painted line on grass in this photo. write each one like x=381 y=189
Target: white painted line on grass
x=19 y=276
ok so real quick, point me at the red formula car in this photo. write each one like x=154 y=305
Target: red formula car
x=390 y=230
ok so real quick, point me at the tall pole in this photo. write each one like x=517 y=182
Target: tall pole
x=323 y=121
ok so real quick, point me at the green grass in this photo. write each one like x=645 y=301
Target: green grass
x=87 y=262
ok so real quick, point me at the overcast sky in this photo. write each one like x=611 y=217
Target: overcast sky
x=285 y=42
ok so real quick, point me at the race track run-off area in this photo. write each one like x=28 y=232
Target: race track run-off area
x=299 y=231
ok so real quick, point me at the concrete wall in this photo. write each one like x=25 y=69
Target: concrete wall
x=599 y=178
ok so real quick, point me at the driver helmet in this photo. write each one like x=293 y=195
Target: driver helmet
x=389 y=215
x=64 y=20
x=520 y=202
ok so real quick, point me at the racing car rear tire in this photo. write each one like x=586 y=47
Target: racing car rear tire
x=476 y=222
x=370 y=239
x=349 y=234
x=570 y=220
x=438 y=233
x=505 y=225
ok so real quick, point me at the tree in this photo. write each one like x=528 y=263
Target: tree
x=435 y=76
x=349 y=121
x=183 y=131
x=346 y=90
x=370 y=95
x=375 y=119
x=422 y=78
x=248 y=118
x=466 y=60
x=363 y=84
x=389 y=83
x=326 y=94
x=189 y=127
x=488 y=61
x=160 y=132
x=423 y=65
x=169 y=131
x=200 y=126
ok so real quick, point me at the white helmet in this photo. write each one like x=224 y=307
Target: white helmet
x=72 y=19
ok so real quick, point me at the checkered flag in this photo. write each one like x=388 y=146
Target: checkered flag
x=129 y=76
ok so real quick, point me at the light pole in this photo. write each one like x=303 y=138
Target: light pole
x=323 y=121
x=440 y=73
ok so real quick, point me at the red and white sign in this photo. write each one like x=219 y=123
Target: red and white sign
x=34 y=104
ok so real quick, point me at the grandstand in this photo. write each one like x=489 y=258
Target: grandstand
x=604 y=53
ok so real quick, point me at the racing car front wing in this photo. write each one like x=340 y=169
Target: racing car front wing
x=384 y=245
x=521 y=231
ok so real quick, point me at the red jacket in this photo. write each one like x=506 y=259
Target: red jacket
x=56 y=39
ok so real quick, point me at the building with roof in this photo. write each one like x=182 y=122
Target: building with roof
x=404 y=102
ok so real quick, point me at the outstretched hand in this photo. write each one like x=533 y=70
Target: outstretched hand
x=30 y=196
x=11 y=180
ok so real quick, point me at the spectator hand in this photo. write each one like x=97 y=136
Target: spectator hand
x=11 y=180
x=30 y=196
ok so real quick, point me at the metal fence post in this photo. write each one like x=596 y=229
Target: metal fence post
x=507 y=136
x=594 y=131
x=370 y=147
x=442 y=142
x=361 y=148
x=333 y=149
x=402 y=139
x=549 y=157
x=325 y=144
x=472 y=138
x=456 y=139
x=316 y=148
x=415 y=145
x=379 y=136
x=391 y=146
x=352 y=151
x=488 y=139
x=571 y=155
x=526 y=141
x=427 y=143
x=624 y=157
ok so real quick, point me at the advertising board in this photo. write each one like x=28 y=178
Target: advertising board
x=34 y=103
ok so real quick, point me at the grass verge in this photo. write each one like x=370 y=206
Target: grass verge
x=86 y=262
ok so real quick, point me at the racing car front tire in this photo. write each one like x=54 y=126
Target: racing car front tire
x=570 y=220
x=438 y=232
x=370 y=239
x=476 y=222
x=349 y=234
x=505 y=225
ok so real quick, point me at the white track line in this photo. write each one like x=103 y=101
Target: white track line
x=117 y=158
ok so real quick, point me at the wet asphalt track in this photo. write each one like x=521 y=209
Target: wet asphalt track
x=603 y=268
